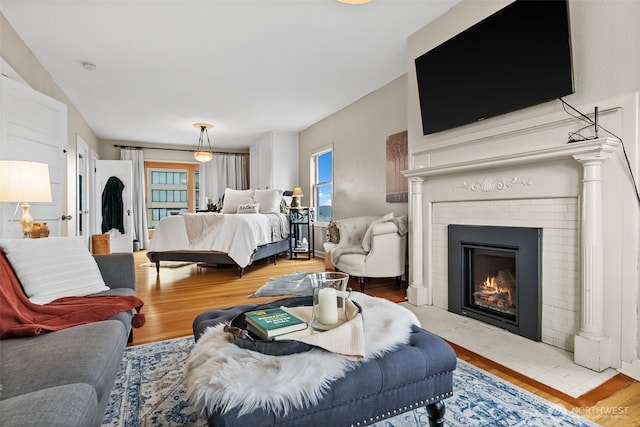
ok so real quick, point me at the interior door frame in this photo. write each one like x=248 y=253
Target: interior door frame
x=84 y=193
x=122 y=170
x=93 y=161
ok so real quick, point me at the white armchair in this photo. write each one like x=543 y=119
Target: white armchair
x=370 y=246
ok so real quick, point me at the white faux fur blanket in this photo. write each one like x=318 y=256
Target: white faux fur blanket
x=222 y=376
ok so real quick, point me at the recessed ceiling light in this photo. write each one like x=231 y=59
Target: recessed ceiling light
x=90 y=66
x=354 y=1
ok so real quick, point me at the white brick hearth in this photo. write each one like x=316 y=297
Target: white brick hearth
x=525 y=174
x=548 y=365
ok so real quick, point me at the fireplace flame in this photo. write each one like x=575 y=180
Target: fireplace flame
x=491 y=287
x=491 y=283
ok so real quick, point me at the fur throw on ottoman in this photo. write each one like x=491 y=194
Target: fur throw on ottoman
x=221 y=375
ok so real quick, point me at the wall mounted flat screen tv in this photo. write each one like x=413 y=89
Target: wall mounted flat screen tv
x=516 y=58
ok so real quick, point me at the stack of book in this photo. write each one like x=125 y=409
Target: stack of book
x=276 y=324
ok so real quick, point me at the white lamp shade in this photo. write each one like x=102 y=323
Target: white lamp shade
x=24 y=181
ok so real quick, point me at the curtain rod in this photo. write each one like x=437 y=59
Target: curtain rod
x=133 y=147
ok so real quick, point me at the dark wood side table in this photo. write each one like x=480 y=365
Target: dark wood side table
x=300 y=217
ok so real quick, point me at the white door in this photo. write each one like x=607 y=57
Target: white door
x=33 y=127
x=108 y=173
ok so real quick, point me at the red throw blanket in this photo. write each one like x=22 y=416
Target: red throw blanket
x=19 y=317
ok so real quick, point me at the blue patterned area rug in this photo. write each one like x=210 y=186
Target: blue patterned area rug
x=149 y=391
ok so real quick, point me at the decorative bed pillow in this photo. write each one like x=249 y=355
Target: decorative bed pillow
x=232 y=198
x=54 y=267
x=244 y=208
x=269 y=200
x=333 y=232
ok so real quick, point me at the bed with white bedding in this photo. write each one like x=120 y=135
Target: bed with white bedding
x=218 y=238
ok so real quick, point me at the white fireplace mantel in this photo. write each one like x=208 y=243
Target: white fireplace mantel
x=567 y=151
x=592 y=344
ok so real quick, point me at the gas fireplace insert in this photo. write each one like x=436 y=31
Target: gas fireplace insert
x=494 y=276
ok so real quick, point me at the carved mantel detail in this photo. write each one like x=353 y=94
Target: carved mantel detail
x=488 y=185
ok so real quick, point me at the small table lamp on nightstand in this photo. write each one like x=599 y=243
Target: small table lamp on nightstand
x=24 y=182
x=297 y=194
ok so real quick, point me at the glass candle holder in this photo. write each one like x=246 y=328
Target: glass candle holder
x=329 y=294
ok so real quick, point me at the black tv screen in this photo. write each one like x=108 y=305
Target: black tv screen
x=516 y=58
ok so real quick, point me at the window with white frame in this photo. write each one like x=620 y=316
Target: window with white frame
x=322 y=184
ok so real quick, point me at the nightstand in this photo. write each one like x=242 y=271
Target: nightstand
x=298 y=219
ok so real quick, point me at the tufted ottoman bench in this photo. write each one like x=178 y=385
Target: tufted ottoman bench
x=416 y=374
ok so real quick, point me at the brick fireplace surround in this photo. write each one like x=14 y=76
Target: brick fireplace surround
x=525 y=174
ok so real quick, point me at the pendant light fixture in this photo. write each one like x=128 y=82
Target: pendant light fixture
x=201 y=155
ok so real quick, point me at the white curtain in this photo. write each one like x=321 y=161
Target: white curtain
x=140 y=231
x=224 y=171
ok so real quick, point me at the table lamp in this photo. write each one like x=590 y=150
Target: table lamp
x=297 y=194
x=24 y=182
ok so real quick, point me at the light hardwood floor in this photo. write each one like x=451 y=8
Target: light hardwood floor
x=176 y=296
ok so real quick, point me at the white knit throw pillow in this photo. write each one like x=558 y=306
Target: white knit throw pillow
x=53 y=267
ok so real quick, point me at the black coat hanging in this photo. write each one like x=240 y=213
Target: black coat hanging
x=112 y=205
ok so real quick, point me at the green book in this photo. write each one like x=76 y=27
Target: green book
x=282 y=337
x=273 y=321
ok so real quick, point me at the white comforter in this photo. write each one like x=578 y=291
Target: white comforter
x=237 y=235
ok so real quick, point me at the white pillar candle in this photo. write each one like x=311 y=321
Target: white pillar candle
x=328 y=306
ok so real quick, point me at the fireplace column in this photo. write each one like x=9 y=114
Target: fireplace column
x=417 y=293
x=592 y=346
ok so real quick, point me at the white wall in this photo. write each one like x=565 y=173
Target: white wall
x=274 y=161
x=358 y=134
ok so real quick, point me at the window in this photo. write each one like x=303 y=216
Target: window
x=322 y=184
x=171 y=188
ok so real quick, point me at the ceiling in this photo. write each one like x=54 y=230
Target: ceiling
x=247 y=67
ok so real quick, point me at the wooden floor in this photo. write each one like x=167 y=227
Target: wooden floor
x=175 y=296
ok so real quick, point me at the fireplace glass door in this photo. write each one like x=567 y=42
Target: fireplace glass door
x=491 y=284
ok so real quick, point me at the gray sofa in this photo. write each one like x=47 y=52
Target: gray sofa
x=64 y=378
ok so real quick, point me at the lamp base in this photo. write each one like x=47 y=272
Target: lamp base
x=26 y=220
x=295 y=202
